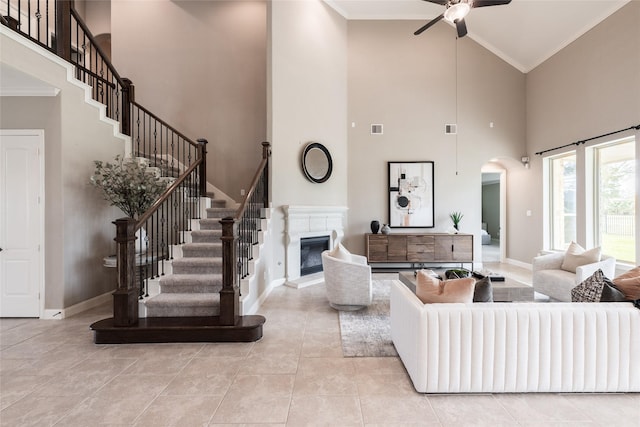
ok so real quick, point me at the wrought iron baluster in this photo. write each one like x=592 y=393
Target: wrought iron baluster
x=164 y=236
x=155 y=141
x=29 y=18
x=39 y=23
x=55 y=10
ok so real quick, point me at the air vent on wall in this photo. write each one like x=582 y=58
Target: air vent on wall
x=376 y=129
x=450 y=129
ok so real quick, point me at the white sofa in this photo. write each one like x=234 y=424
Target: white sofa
x=549 y=279
x=516 y=347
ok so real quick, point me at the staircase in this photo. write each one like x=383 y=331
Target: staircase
x=193 y=288
x=199 y=300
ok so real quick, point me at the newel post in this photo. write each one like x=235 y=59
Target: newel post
x=230 y=294
x=128 y=96
x=125 y=298
x=202 y=172
x=266 y=154
x=63 y=29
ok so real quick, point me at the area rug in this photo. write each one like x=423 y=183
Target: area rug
x=367 y=332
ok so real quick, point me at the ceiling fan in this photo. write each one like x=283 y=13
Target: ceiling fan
x=456 y=10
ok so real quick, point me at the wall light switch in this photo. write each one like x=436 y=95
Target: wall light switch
x=528 y=213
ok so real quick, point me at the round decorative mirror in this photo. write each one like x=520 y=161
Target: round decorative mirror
x=316 y=162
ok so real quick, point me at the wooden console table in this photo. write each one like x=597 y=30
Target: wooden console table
x=419 y=248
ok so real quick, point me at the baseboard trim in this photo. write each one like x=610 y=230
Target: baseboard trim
x=52 y=314
x=59 y=314
x=263 y=296
x=518 y=263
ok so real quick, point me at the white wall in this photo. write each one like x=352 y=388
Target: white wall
x=307 y=102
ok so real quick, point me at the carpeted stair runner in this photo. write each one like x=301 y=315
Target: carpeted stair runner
x=194 y=285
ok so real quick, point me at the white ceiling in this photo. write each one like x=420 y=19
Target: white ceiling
x=524 y=33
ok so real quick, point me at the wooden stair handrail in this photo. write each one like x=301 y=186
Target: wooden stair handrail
x=159 y=120
x=167 y=193
x=266 y=153
x=96 y=46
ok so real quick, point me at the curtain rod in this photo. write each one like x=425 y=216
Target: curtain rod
x=589 y=139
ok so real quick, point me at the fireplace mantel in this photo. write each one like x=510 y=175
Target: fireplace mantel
x=309 y=221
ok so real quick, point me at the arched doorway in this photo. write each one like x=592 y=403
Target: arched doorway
x=493 y=214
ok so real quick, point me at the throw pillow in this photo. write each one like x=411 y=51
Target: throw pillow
x=629 y=283
x=433 y=290
x=483 y=290
x=457 y=273
x=596 y=288
x=340 y=252
x=576 y=255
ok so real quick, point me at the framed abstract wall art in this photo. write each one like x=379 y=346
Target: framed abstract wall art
x=411 y=194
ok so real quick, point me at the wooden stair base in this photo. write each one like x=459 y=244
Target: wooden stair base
x=178 y=329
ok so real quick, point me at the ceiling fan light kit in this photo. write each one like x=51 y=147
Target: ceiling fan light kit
x=455 y=12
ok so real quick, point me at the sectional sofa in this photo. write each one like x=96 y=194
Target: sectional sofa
x=516 y=347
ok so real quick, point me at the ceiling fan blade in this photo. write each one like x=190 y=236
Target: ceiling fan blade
x=485 y=3
x=461 y=27
x=428 y=24
x=440 y=2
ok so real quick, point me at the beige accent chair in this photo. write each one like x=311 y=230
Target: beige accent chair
x=550 y=279
x=348 y=281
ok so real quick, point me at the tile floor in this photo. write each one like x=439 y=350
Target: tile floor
x=51 y=373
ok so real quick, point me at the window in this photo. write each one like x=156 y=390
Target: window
x=590 y=198
x=614 y=210
x=562 y=192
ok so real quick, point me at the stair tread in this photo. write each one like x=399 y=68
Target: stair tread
x=186 y=279
x=191 y=277
x=182 y=299
x=198 y=260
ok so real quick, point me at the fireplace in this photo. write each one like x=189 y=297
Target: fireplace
x=311 y=254
x=303 y=222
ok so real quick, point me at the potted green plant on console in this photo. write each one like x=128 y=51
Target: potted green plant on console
x=456 y=217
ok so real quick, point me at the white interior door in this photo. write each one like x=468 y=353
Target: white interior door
x=21 y=229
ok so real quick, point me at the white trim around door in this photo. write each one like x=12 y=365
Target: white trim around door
x=22 y=232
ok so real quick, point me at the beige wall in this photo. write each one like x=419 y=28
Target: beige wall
x=409 y=84
x=326 y=73
x=78 y=228
x=590 y=88
x=200 y=66
x=44 y=113
x=97 y=15
x=307 y=102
